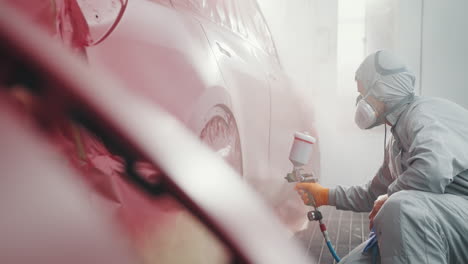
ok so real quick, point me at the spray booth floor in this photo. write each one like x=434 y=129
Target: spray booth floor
x=346 y=229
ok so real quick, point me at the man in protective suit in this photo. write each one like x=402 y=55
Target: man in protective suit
x=418 y=199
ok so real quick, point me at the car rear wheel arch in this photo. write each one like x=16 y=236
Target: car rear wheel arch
x=221 y=133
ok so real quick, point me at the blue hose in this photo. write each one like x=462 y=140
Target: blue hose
x=332 y=251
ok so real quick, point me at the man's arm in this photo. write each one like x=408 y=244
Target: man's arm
x=359 y=198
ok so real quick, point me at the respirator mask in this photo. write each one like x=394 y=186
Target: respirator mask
x=365 y=116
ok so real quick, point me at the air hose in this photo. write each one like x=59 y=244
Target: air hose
x=316 y=215
x=299 y=156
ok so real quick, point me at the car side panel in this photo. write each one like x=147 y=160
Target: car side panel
x=163 y=56
x=288 y=116
x=243 y=73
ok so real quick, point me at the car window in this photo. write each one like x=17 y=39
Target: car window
x=214 y=10
x=237 y=23
x=192 y=5
x=231 y=9
x=242 y=17
x=226 y=13
x=164 y=2
x=257 y=29
x=217 y=11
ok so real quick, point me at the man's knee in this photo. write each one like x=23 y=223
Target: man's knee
x=356 y=256
x=399 y=204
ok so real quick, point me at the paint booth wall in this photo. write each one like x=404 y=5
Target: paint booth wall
x=316 y=58
x=431 y=35
x=444 y=50
x=304 y=32
x=317 y=47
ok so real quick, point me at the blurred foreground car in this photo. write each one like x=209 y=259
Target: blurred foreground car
x=213 y=65
x=83 y=181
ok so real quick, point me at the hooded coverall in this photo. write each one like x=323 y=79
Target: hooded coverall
x=425 y=174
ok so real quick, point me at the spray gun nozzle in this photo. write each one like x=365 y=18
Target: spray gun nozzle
x=297 y=175
x=291 y=177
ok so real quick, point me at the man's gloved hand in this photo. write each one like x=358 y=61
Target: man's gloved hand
x=319 y=193
x=377 y=205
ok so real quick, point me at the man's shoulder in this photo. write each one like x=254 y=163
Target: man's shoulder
x=435 y=107
x=433 y=111
x=424 y=101
x=422 y=111
x=418 y=107
x=428 y=106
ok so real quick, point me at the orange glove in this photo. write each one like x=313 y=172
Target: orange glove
x=319 y=193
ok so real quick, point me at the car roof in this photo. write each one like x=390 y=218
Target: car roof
x=193 y=174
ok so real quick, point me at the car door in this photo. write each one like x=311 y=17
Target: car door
x=172 y=65
x=244 y=76
x=288 y=115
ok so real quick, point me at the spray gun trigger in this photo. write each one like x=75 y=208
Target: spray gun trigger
x=308 y=178
x=298 y=176
x=311 y=199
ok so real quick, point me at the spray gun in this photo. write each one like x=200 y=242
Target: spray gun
x=299 y=156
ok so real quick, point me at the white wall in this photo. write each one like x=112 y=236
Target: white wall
x=305 y=35
x=305 y=32
x=396 y=25
x=431 y=35
x=444 y=50
x=351 y=155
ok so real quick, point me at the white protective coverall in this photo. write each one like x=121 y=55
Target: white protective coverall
x=425 y=173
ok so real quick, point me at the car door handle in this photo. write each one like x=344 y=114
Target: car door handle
x=223 y=50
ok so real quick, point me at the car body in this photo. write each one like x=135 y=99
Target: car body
x=62 y=204
x=214 y=66
x=211 y=64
